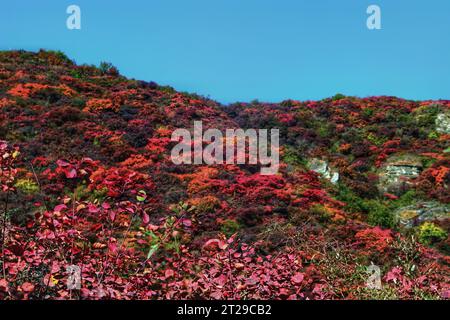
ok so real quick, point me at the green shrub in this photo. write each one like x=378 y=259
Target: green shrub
x=379 y=214
x=408 y=198
x=320 y=212
x=27 y=186
x=378 y=141
x=293 y=157
x=108 y=68
x=433 y=135
x=430 y=233
x=230 y=227
x=338 y=96
x=78 y=102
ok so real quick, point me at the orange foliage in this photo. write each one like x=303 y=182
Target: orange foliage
x=375 y=239
x=99 y=105
x=27 y=89
x=439 y=174
x=136 y=162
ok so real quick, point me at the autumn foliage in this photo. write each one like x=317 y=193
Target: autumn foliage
x=86 y=179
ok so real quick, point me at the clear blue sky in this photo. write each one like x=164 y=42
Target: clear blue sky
x=240 y=50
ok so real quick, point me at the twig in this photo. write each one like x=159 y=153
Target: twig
x=5 y=215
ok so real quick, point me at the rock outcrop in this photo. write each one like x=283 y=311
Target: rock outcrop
x=397 y=174
x=322 y=167
x=443 y=123
x=416 y=214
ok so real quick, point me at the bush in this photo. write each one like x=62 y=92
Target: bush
x=338 y=96
x=379 y=214
x=108 y=68
x=230 y=227
x=293 y=157
x=430 y=233
x=27 y=186
x=320 y=212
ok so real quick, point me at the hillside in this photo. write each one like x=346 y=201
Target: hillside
x=86 y=179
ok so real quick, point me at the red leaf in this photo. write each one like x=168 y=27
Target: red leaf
x=70 y=173
x=92 y=208
x=60 y=208
x=145 y=218
x=112 y=246
x=221 y=280
x=214 y=244
x=297 y=278
x=3 y=285
x=27 y=287
x=169 y=273
x=62 y=163
x=112 y=215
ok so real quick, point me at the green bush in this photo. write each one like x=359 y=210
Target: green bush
x=430 y=233
x=338 y=96
x=230 y=227
x=320 y=212
x=408 y=198
x=108 y=68
x=27 y=186
x=78 y=102
x=379 y=214
x=293 y=157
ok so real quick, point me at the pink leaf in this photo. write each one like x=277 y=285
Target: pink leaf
x=215 y=243
x=70 y=173
x=112 y=215
x=112 y=246
x=297 y=278
x=27 y=287
x=145 y=218
x=62 y=163
x=60 y=207
x=93 y=209
x=187 y=222
x=169 y=273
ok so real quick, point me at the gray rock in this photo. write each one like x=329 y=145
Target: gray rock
x=416 y=214
x=322 y=168
x=397 y=174
x=443 y=123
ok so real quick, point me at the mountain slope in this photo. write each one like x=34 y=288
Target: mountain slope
x=87 y=180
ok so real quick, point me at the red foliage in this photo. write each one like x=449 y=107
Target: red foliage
x=374 y=239
x=99 y=191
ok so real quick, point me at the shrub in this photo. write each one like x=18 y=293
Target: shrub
x=206 y=204
x=78 y=102
x=322 y=213
x=27 y=186
x=293 y=157
x=230 y=227
x=429 y=233
x=108 y=68
x=379 y=214
x=408 y=198
x=338 y=96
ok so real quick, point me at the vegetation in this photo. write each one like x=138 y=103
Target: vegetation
x=86 y=179
x=430 y=233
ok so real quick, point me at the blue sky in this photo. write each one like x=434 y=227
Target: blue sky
x=240 y=50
